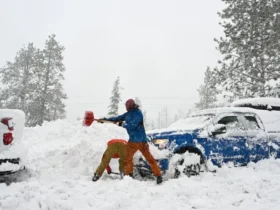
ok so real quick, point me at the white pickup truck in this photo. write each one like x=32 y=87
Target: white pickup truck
x=11 y=150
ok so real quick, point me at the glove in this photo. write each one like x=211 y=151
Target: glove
x=101 y=120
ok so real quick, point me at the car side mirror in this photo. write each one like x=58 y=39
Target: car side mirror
x=219 y=129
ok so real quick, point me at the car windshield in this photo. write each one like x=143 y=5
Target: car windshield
x=192 y=122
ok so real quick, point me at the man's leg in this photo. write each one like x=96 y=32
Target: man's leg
x=144 y=149
x=122 y=159
x=108 y=154
x=131 y=148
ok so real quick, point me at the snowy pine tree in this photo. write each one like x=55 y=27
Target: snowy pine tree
x=207 y=92
x=138 y=102
x=250 y=49
x=32 y=83
x=17 y=78
x=115 y=99
x=51 y=93
x=48 y=104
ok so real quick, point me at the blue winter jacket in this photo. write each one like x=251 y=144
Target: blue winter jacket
x=134 y=124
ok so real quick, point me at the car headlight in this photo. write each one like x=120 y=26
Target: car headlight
x=161 y=142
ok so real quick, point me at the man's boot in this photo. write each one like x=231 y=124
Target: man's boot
x=159 y=179
x=95 y=177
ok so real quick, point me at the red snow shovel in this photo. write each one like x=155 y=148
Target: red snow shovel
x=89 y=118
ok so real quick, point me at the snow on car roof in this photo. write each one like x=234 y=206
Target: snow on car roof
x=199 y=119
x=11 y=113
x=264 y=101
x=270 y=119
x=216 y=111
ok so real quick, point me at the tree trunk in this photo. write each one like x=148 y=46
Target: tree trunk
x=47 y=76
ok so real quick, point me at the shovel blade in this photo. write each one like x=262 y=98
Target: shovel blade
x=88 y=118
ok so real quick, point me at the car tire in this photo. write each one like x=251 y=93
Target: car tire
x=189 y=170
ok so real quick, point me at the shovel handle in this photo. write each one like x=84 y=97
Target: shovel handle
x=103 y=121
x=115 y=173
x=107 y=121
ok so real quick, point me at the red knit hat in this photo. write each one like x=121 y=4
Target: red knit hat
x=129 y=104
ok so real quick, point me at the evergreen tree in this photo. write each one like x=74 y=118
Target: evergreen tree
x=32 y=83
x=18 y=86
x=250 y=49
x=207 y=92
x=115 y=99
x=51 y=94
x=138 y=102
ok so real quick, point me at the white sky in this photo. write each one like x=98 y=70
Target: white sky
x=159 y=48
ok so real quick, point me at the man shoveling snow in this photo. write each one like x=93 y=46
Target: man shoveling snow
x=134 y=125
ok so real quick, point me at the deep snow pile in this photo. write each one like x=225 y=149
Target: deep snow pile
x=63 y=155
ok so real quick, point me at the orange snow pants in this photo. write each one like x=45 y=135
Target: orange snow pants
x=133 y=147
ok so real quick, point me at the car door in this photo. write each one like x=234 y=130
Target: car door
x=257 y=139
x=230 y=146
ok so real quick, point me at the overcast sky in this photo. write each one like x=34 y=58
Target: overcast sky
x=159 y=48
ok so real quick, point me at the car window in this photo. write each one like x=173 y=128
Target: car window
x=231 y=122
x=252 y=122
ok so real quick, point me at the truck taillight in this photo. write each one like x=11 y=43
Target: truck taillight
x=7 y=138
x=8 y=122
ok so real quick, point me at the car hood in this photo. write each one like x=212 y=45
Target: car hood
x=167 y=133
x=178 y=136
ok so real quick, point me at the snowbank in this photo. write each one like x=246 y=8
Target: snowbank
x=63 y=155
x=69 y=147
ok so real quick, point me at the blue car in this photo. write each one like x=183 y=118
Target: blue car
x=220 y=135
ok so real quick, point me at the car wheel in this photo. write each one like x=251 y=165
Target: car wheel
x=187 y=163
x=192 y=170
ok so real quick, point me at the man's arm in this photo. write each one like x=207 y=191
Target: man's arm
x=116 y=119
x=135 y=122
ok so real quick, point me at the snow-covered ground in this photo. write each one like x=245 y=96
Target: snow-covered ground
x=63 y=156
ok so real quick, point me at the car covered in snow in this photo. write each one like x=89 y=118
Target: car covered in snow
x=11 y=131
x=221 y=135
